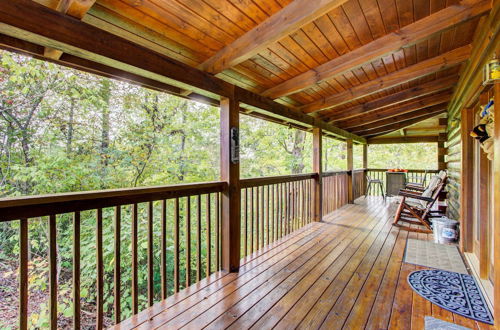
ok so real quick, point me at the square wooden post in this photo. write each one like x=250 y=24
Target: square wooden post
x=365 y=166
x=318 y=169
x=496 y=207
x=230 y=173
x=441 y=150
x=466 y=180
x=365 y=156
x=350 y=165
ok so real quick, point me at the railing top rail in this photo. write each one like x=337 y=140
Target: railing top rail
x=409 y=170
x=264 y=181
x=332 y=173
x=13 y=208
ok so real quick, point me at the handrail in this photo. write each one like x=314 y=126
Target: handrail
x=332 y=173
x=409 y=170
x=14 y=208
x=262 y=181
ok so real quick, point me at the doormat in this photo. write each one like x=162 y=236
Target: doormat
x=455 y=292
x=432 y=323
x=433 y=255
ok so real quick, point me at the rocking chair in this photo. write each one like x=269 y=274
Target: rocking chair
x=421 y=186
x=415 y=207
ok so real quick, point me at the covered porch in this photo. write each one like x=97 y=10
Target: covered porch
x=305 y=250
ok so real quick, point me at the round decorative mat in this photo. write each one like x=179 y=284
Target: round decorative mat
x=458 y=293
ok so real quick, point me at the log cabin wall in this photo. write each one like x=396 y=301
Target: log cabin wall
x=453 y=164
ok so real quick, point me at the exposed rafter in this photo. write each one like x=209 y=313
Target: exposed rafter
x=392 y=42
x=436 y=109
x=291 y=18
x=423 y=102
x=400 y=125
x=395 y=78
x=74 y=8
x=392 y=99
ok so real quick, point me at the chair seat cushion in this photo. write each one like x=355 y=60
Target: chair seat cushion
x=414 y=203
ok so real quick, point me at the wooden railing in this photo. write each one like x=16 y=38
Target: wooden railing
x=414 y=175
x=335 y=190
x=175 y=235
x=272 y=207
x=358 y=182
x=176 y=217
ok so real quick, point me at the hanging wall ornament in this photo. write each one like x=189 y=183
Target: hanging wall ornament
x=484 y=130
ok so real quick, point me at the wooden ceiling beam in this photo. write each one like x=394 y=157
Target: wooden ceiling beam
x=392 y=99
x=426 y=129
x=291 y=18
x=417 y=104
x=394 y=127
x=30 y=49
x=412 y=72
x=390 y=43
x=260 y=102
x=436 y=109
x=406 y=139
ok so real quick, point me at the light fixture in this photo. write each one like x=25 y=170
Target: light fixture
x=491 y=72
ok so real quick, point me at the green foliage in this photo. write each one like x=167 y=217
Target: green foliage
x=407 y=156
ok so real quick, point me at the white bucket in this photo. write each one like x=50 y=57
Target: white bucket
x=445 y=230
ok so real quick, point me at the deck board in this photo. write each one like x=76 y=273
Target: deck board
x=345 y=272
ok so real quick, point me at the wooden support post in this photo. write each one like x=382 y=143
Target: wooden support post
x=365 y=166
x=441 y=151
x=466 y=180
x=365 y=156
x=350 y=167
x=318 y=169
x=496 y=208
x=230 y=173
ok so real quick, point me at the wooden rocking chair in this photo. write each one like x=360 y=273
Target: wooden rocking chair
x=421 y=186
x=415 y=207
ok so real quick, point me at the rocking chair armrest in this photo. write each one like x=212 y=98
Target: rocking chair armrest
x=414 y=187
x=405 y=194
x=418 y=184
x=406 y=191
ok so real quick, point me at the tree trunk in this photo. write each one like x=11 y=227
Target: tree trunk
x=69 y=138
x=105 y=92
x=298 y=152
x=182 y=160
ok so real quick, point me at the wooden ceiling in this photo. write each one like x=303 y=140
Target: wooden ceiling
x=367 y=66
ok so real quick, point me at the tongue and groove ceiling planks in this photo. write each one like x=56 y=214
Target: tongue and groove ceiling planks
x=339 y=61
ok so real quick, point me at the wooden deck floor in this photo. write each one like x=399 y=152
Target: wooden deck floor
x=346 y=272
